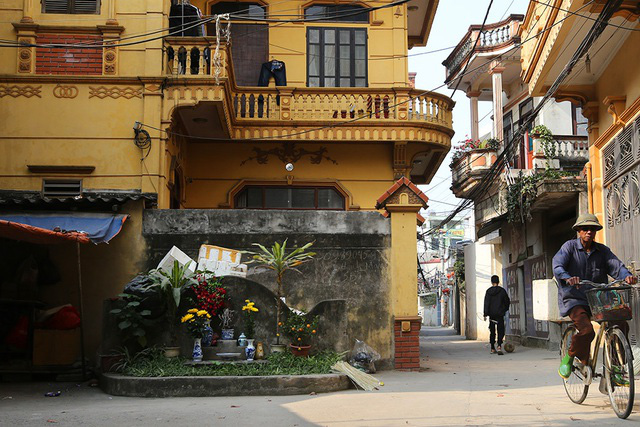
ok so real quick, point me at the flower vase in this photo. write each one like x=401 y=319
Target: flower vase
x=197 y=350
x=250 y=351
x=207 y=338
x=227 y=334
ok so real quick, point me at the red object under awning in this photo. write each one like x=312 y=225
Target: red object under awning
x=29 y=233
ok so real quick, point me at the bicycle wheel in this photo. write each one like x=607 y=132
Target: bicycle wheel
x=574 y=385
x=618 y=371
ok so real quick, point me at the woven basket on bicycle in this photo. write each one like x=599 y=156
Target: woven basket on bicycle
x=610 y=304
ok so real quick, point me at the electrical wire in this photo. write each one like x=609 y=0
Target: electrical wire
x=484 y=21
x=587 y=42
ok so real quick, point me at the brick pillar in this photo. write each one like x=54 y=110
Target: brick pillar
x=407 y=337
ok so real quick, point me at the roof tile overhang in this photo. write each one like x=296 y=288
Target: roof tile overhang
x=8 y=197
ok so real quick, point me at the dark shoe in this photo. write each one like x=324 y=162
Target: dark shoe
x=500 y=353
x=493 y=350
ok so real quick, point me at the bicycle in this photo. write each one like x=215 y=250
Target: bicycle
x=608 y=303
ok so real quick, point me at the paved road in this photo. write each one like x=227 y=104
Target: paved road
x=461 y=385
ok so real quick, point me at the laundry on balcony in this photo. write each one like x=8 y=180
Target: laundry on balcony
x=278 y=70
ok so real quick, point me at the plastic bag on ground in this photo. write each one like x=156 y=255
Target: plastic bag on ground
x=363 y=357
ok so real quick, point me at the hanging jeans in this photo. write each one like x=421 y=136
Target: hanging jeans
x=276 y=69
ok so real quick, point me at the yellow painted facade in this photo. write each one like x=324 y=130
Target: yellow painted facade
x=205 y=131
x=608 y=90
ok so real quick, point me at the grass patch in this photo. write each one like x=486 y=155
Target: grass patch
x=152 y=363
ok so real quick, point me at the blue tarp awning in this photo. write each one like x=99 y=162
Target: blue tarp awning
x=97 y=227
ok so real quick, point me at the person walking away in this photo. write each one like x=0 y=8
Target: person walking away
x=584 y=259
x=496 y=304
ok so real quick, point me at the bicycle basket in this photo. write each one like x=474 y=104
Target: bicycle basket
x=610 y=304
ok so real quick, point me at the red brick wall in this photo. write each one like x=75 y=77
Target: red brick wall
x=59 y=60
x=407 y=348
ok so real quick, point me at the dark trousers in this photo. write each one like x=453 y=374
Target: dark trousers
x=581 y=342
x=496 y=323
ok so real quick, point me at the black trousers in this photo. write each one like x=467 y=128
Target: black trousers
x=493 y=323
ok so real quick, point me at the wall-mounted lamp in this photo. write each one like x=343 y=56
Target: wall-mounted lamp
x=587 y=63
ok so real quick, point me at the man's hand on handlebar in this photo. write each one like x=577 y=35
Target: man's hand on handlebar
x=631 y=280
x=573 y=281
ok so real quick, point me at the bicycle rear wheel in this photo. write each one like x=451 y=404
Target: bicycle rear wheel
x=574 y=385
x=618 y=372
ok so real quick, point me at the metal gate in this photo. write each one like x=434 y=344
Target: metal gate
x=621 y=165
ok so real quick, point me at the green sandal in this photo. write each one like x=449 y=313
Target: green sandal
x=565 y=366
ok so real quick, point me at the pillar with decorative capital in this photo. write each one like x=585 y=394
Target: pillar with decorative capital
x=473 y=98
x=496 y=79
x=27 y=12
x=402 y=202
x=111 y=18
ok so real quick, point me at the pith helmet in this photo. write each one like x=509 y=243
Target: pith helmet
x=587 y=220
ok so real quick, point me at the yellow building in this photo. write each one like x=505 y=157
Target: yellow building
x=605 y=83
x=218 y=123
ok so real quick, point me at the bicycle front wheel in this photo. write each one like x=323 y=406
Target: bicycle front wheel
x=618 y=372
x=575 y=384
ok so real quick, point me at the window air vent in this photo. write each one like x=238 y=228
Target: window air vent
x=61 y=187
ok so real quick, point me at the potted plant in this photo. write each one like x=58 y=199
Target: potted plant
x=196 y=322
x=133 y=323
x=210 y=295
x=171 y=284
x=299 y=328
x=278 y=260
x=249 y=323
x=492 y=144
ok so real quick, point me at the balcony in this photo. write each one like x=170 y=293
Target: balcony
x=199 y=75
x=469 y=169
x=492 y=38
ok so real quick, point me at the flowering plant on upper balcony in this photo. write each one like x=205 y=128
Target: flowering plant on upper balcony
x=465 y=146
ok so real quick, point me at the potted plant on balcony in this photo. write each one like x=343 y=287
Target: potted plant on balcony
x=545 y=143
x=277 y=259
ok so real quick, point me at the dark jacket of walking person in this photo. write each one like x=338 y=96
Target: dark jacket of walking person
x=496 y=304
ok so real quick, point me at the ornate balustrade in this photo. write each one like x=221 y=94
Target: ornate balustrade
x=492 y=37
x=470 y=168
x=572 y=146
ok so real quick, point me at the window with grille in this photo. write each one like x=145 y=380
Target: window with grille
x=71 y=6
x=336 y=57
x=281 y=197
x=337 y=13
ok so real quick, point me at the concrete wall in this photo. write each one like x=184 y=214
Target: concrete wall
x=351 y=262
x=480 y=264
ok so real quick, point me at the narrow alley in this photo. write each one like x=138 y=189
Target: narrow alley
x=461 y=384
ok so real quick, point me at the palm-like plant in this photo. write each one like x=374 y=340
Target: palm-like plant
x=171 y=285
x=279 y=261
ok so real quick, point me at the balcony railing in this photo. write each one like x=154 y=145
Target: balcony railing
x=472 y=161
x=572 y=146
x=492 y=37
x=194 y=58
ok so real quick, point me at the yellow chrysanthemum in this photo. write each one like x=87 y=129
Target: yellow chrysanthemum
x=254 y=309
x=187 y=317
x=193 y=310
x=202 y=313
x=247 y=300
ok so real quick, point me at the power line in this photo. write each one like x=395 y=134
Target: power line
x=587 y=42
x=484 y=21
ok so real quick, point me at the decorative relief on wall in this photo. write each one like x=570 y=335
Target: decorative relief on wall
x=65 y=91
x=289 y=153
x=109 y=59
x=25 y=56
x=115 y=92
x=16 y=91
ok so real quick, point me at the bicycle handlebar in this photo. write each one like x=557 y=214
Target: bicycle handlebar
x=604 y=285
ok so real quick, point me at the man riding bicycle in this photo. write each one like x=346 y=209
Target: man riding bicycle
x=584 y=259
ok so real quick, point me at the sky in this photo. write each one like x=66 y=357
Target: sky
x=451 y=23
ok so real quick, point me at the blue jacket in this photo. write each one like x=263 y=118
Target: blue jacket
x=573 y=261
